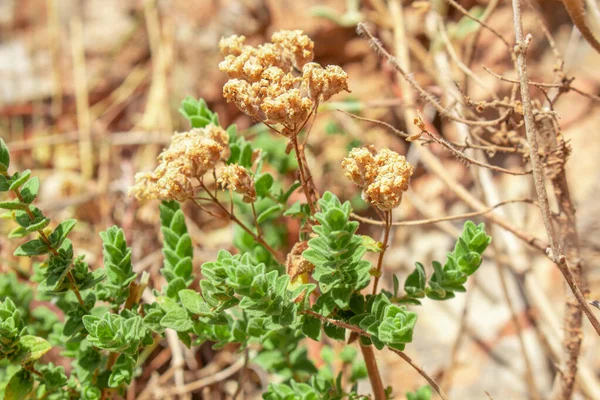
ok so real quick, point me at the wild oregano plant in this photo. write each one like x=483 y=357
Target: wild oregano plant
x=270 y=297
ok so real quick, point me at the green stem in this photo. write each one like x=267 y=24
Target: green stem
x=387 y=217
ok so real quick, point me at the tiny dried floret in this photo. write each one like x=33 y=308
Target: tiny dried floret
x=237 y=178
x=189 y=156
x=383 y=176
x=145 y=186
x=233 y=45
x=220 y=136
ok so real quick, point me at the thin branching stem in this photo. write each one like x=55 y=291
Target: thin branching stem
x=554 y=251
x=441 y=219
x=303 y=179
x=360 y=332
x=278 y=256
x=256 y=224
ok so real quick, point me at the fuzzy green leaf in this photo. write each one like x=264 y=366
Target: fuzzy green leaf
x=32 y=348
x=34 y=247
x=4 y=156
x=311 y=327
x=18 y=232
x=269 y=213
x=263 y=183
x=61 y=232
x=30 y=189
x=193 y=302
x=19 y=386
x=178 y=320
x=17 y=183
x=13 y=205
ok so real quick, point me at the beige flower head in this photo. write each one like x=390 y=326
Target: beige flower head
x=277 y=83
x=237 y=178
x=383 y=176
x=189 y=156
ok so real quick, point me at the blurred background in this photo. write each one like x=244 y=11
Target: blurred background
x=89 y=92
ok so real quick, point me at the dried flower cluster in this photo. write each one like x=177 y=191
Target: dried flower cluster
x=190 y=155
x=382 y=175
x=296 y=265
x=237 y=178
x=276 y=82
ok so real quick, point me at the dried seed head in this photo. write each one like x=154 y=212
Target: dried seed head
x=383 y=175
x=322 y=83
x=235 y=177
x=297 y=267
x=289 y=109
x=192 y=153
x=189 y=156
x=220 y=136
x=264 y=81
x=174 y=185
x=360 y=166
x=145 y=186
x=297 y=46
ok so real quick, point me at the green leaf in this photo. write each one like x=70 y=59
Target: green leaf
x=371 y=244
x=4 y=182
x=334 y=332
x=396 y=285
x=4 y=156
x=122 y=371
x=32 y=348
x=38 y=226
x=416 y=281
x=423 y=393
x=19 y=386
x=184 y=246
x=268 y=213
x=193 y=302
x=178 y=223
x=17 y=183
x=311 y=327
x=263 y=183
x=18 y=232
x=13 y=205
x=285 y=196
x=34 y=247
x=199 y=122
x=61 y=232
x=54 y=377
x=178 y=320
x=174 y=287
x=30 y=189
